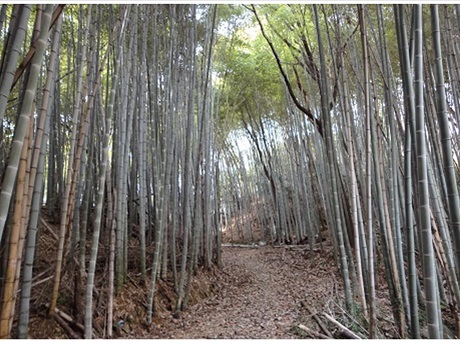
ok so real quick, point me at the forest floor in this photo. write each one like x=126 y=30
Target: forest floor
x=260 y=292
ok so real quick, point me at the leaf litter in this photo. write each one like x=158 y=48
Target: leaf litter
x=260 y=293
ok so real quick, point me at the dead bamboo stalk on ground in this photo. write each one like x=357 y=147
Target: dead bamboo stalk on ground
x=254 y=246
x=44 y=280
x=67 y=318
x=65 y=327
x=317 y=319
x=48 y=227
x=345 y=330
x=312 y=332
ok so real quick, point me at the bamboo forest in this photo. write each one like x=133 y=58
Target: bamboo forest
x=230 y=171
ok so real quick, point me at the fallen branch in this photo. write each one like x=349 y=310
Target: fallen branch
x=66 y=327
x=39 y=282
x=69 y=319
x=298 y=247
x=42 y=273
x=133 y=282
x=254 y=246
x=312 y=333
x=346 y=332
x=315 y=250
x=352 y=319
x=42 y=281
x=292 y=246
x=46 y=225
x=322 y=326
x=66 y=317
x=318 y=320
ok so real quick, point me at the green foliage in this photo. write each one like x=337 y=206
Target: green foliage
x=245 y=73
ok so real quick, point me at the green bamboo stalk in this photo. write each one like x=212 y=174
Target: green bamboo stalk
x=332 y=160
x=36 y=186
x=68 y=182
x=107 y=115
x=424 y=223
x=446 y=137
x=23 y=122
x=19 y=33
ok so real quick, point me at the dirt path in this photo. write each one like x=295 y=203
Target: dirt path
x=259 y=295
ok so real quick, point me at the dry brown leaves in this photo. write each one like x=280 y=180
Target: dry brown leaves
x=259 y=295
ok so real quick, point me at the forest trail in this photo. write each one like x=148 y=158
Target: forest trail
x=260 y=293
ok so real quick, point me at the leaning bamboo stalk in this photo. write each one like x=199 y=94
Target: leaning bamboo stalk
x=25 y=212
x=142 y=159
x=68 y=182
x=332 y=165
x=111 y=275
x=111 y=196
x=18 y=146
x=36 y=187
x=370 y=230
x=354 y=197
x=446 y=137
x=120 y=176
x=23 y=123
x=14 y=251
x=13 y=56
x=97 y=227
x=409 y=106
x=442 y=246
x=392 y=210
x=188 y=178
x=102 y=178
